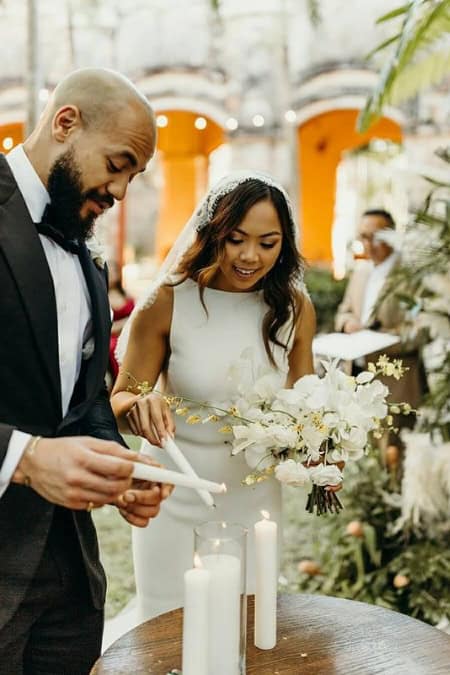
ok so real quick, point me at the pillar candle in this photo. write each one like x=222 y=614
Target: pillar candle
x=224 y=613
x=195 y=621
x=266 y=560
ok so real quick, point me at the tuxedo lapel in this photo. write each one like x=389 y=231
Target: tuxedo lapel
x=23 y=250
x=101 y=318
x=94 y=369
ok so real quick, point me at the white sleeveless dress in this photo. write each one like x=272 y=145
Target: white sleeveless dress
x=203 y=347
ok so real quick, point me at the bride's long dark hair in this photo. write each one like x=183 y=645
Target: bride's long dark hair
x=203 y=259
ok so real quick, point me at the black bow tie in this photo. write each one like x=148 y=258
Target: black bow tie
x=69 y=245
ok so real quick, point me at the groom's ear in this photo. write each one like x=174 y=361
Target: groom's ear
x=65 y=122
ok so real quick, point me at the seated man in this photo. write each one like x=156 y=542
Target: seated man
x=364 y=306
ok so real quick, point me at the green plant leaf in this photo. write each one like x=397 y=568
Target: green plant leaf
x=382 y=46
x=370 y=540
x=435 y=182
x=422 y=28
x=418 y=76
x=429 y=28
x=395 y=12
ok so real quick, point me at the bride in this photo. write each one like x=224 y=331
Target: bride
x=232 y=281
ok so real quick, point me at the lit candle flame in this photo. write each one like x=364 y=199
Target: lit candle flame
x=197 y=562
x=265 y=515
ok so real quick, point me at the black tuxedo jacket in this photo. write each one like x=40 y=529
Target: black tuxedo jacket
x=30 y=392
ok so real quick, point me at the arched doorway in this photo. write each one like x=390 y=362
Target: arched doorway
x=322 y=141
x=185 y=141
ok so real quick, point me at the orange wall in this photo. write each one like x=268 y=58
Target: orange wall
x=184 y=152
x=322 y=140
x=14 y=131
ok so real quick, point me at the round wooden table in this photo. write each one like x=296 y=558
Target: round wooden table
x=317 y=635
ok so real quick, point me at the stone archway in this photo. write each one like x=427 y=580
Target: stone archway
x=322 y=139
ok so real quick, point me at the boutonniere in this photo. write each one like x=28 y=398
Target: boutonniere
x=96 y=252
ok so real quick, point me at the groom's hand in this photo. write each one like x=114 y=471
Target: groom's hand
x=77 y=472
x=141 y=503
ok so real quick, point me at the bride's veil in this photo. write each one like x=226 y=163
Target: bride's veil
x=199 y=219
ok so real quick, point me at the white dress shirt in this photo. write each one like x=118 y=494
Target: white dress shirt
x=375 y=283
x=73 y=303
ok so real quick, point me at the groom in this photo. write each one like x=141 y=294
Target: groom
x=95 y=135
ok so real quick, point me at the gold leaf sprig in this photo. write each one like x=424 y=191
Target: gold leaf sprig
x=177 y=403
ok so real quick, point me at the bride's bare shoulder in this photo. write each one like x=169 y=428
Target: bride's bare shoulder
x=157 y=316
x=306 y=314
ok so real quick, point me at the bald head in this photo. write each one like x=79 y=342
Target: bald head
x=100 y=95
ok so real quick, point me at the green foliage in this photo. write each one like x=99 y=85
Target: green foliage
x=364 y=567
x=326 y=294
x=429 y=71
x=422 y=284
x=421 y=56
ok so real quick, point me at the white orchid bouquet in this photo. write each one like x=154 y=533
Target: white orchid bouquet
x=304 y=435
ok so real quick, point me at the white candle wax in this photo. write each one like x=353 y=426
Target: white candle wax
x=224 y=613
x=266 y=558
x=195 y=622
x=180 y=460
x=158 y=475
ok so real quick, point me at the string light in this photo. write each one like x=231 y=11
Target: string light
x=200 y=123
x=290 y=116
x=8 y=143
x=162 y=121
x=232 y=123
x=258 y=120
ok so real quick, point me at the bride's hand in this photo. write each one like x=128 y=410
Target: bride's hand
x=151 y=418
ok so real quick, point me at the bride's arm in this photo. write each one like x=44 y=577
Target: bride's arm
x=147 y=352
x=300 y=356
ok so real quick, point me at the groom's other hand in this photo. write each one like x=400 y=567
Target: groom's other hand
x=142 y=502
x=76 y=472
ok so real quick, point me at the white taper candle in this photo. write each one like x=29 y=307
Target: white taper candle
x=158 y=475
x=266 y=558
x=182 y=463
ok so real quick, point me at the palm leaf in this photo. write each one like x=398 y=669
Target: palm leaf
x=436 y=183
x=418 y=76
x=383 y=45
x=422 y=27
x=395 y=12
x=430 y=28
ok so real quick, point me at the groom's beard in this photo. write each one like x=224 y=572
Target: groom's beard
x=67 y=198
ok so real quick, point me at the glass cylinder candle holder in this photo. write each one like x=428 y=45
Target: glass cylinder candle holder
x=222 y=549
